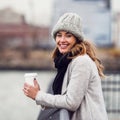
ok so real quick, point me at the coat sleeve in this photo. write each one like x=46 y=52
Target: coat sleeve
x=76 y=90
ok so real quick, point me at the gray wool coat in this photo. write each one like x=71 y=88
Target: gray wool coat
x=81 y=91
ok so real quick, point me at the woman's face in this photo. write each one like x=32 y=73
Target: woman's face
x=65 y=41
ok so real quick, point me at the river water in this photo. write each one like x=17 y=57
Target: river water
x=14 y=105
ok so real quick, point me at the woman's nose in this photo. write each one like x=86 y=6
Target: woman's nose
x=62 y=39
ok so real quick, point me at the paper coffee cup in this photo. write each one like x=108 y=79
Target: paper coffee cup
x=29 y=78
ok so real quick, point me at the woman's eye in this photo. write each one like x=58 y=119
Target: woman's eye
x=58 y=35
x=69 y=35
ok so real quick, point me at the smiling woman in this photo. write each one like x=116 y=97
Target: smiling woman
x=65 y=41
x=77 y=84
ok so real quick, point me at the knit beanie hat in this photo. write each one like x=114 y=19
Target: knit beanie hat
x=70 y=22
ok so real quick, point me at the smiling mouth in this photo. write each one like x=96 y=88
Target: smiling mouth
x=63 y=46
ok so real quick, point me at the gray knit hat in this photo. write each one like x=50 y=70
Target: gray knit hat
x=70 y=22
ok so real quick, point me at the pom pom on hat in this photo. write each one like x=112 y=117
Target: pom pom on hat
x=70 y=22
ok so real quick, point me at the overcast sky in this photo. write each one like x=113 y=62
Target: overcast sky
x=116 y=5
x=40 y=10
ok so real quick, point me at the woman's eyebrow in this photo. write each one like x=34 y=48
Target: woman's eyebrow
x=69 y=33
x=58 y=32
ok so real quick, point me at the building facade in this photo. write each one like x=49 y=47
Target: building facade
x=116 y=29
x=9 y=16
x=16 y=33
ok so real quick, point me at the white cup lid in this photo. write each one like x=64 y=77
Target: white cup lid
x=30 y=75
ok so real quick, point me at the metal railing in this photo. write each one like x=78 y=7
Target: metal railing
x=111 y=91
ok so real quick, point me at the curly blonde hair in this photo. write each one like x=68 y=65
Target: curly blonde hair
x=84 y=47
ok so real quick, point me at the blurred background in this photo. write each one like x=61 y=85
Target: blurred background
x=26 y=45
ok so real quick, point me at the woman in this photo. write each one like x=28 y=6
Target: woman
x=77 y=85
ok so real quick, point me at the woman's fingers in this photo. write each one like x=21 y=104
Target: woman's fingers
x=31 y=91
x=36 y=85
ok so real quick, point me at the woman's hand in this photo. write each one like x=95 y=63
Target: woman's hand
x=31 y=91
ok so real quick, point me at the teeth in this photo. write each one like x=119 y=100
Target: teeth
x=63 y=46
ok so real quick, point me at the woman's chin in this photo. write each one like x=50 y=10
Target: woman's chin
x=63 y=52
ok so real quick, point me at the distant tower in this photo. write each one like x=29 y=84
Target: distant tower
x=96 y=17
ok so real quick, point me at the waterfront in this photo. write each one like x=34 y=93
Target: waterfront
x=14 y=105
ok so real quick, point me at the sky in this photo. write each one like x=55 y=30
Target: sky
x=39 y=11
x=116 y=5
